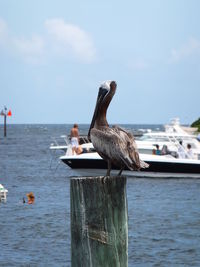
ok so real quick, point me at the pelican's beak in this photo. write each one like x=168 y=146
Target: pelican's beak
x=100 y=97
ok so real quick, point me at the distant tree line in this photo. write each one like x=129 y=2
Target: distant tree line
x=196 y=124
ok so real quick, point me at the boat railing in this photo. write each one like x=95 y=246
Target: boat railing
x=175 y=141
x=57 y=140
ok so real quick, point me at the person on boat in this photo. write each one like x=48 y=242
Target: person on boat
x=74 y=135
x=157 y=151
x=79 y=150
x=153 y=151
x=31 y=198
x=165 y=150
x=181 y=150
x=190 y=153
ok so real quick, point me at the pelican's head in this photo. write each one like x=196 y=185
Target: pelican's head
x=106 y=88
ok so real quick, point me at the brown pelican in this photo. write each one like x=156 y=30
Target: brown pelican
x=114 y=144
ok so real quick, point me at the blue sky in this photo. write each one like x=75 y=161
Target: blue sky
x=54 y=55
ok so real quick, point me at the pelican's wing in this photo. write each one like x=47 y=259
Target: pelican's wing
x=126 y=133
x=115 y=146
x=131 y=145
x=108 y=144
x=103 y=141
x=117 y=127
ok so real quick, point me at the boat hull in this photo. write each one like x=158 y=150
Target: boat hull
x=154 y=166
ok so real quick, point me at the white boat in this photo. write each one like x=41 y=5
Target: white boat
x=167 y=165
x=173 y=133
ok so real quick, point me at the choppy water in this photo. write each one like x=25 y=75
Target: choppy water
x=164 y=214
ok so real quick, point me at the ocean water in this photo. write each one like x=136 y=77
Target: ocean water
x=164 y=214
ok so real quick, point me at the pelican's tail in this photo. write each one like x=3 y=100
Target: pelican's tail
x=143 y=165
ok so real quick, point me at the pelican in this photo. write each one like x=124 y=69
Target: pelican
x=114 y=144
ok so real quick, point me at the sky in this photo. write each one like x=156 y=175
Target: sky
x=55 y=54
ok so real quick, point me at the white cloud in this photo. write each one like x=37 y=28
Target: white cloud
x=138 y=64
x=192 y=47
x=31 y=49
x=59 y=38
x=3 y=31
x=69 y=38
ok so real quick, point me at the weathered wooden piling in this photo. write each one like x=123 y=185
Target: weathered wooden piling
x=99 y=222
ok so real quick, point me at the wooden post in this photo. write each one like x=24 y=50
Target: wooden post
x=5 y=125
x=99 y=222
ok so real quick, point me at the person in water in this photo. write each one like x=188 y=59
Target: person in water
x=31 y=198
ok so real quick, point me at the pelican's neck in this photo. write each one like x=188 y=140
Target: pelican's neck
x=102 y=112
